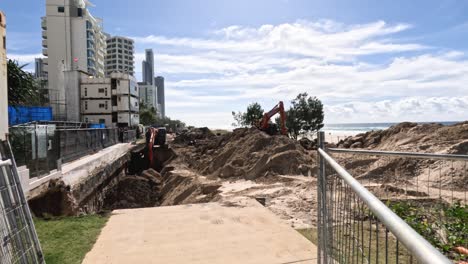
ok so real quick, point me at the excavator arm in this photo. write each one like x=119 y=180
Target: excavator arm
x=279 y=108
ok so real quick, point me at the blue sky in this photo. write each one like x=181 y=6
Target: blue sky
x=369 y=61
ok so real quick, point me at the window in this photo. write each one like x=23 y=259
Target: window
x=86 y=105
x=106 y=105
x=102 y=121
x=4 y=42
x=105 y=92
x=85 y=91
x=136 y=104
x=86 y=119
x=61 y=9
x=80 y=12
x=101 y=106
x=101 y=90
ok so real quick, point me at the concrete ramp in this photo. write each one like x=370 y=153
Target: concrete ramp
x=241 y=232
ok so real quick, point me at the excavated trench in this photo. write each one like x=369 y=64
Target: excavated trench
x=126 y=183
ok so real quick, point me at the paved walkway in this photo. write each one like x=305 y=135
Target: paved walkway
x=244 y=232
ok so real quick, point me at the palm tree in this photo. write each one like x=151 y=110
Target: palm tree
x=22 y=87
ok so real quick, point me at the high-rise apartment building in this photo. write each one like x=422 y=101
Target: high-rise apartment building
x=148 y=67
x=120 y=55
x=72 y=40
x=40 y=74
x=3 y=80
x=159 y=82
x=39 y=68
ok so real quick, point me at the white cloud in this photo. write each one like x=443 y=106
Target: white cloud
x=363 y=73
x=424 y=109
x=240 y=64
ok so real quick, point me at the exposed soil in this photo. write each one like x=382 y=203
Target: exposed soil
x=246 y=153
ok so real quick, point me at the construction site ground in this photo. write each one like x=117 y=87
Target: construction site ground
x=236 y=232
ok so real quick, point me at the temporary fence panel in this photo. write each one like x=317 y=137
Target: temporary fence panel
x=36 y=147
x=18 y=238
x=354 y=226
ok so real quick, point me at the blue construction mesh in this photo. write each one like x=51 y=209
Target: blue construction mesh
x=24 y=114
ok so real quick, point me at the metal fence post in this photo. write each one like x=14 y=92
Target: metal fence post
x=322 y=205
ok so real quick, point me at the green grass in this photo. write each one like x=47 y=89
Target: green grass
x=67 y=239
x=310 y=234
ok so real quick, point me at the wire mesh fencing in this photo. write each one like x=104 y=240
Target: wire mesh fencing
x=18 y=238
x=355 y=226
x=76 y=143
x=428 y=191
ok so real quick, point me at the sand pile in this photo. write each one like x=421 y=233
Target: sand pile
x=431 y=138
x=193 y=135
x=250 y=153
x=411 y=137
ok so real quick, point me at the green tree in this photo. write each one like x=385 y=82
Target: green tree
x=253 y=114
x=147 y=117
x=22 y=88
x=304 y=116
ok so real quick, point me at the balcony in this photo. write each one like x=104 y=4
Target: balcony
x=45 y=61
x=44 y=52
x=44 y=23
x=44 y=34
x=44 y=43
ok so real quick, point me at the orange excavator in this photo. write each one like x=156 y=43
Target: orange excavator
x=270 y=128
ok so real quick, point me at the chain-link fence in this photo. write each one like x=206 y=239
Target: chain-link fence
x=18 y=238
x=76 y=143
x=354 y=226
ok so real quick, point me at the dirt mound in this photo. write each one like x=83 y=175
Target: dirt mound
x=250 y=153
x=433 y=138
x=411 y=137
x=191 y=136
x=134 y=191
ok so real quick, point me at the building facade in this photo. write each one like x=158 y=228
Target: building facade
x=148 y=67
x=120 y=55
x=3 y=79
x=159 y=81
x=110 y=100
x=72 y=40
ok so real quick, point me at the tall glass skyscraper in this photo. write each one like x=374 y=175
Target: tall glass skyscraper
x=148 y=67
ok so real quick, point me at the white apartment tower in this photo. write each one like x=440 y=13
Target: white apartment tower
x=72 y=40
x=3 y=80
x=120 y=55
